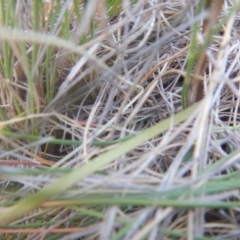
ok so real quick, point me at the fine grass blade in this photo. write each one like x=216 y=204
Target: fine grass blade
x=61 y=185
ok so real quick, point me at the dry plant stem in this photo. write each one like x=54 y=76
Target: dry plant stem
x=197 y=86
x=23 y=206
x=201 y=144
x=30 y=230
x=159 y=216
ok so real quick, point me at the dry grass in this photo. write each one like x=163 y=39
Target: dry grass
x=94 y=143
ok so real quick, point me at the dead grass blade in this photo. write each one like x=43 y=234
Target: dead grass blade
x=196 y=91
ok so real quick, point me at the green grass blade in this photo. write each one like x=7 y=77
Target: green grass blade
x=62 y=184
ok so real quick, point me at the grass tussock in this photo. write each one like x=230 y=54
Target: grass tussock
x=96 y=141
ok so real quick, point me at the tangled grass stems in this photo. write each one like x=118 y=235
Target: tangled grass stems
x=94 y=143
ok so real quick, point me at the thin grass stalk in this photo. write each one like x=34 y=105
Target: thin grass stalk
x=65 y=182
x=192 y=57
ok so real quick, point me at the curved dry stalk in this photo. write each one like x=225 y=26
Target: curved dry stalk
x=196 y=92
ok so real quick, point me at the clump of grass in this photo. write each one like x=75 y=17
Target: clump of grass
x=94 y=142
